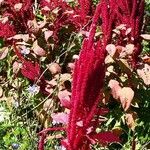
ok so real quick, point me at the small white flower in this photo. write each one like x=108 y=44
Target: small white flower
x=25 y=50
x=34 y=89
x=60 y=148
x=54 y=122
x=75 y=57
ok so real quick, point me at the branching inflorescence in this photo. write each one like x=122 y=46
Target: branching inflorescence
x=90 y=71
x=17 y=13
x=129 y=13
x=87 y=84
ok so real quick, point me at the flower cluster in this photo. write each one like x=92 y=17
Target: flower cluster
x=15 y=15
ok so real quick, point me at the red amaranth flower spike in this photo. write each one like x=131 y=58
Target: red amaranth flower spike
x=130 y=13
x=6 y=30
x=106 y=137
x=87 y=85
x=32 y=71
x=85 y=7
x=29 y=70
x=19 y=12
x=52 y=4
x=41 y=142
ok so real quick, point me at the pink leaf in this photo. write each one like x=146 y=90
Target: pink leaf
x=54 y=68
x=131 y=119
x=115 y=88
x=126 y=96
x=18 y=6
x=16 y=67
x=3 y=52
x=128 y=31
x=71 y=67
x=60 y=118
x=64 y=97
x=109 y=60
x=145 y=36
x=48 y=34
x=111 y=49
x=129 y=49
x=24 y=37
x=38 y=50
